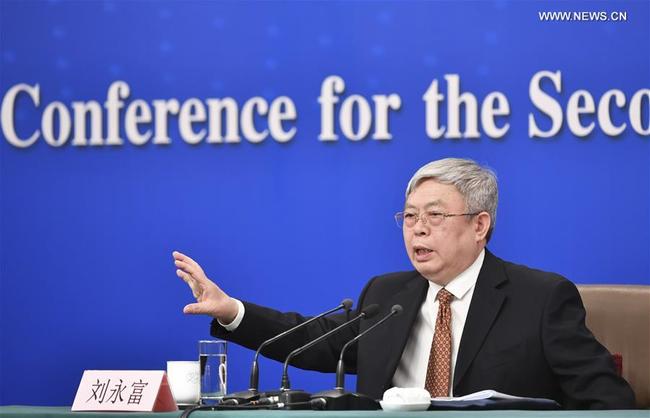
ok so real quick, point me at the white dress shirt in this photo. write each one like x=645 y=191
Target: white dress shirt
x=412 y=369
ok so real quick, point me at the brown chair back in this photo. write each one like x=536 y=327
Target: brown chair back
x=619 y=317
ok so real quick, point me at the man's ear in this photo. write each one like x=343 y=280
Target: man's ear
x=482 y=225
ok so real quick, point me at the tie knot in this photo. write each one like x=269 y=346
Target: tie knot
x=444 y=297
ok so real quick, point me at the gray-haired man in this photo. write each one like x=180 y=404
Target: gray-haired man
x=471 y=321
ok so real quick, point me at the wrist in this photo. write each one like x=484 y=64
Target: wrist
x=229 y=313
x=234 y=323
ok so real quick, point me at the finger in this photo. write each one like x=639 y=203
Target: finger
x=196 y=288
x=195 y=271
x=194 y=309
x=185 y=258
x=182 y=264
x=183 y=275
x=188 y=268
x=186 y=277
x=198 y=275
x=177 y=255
x=188 y=260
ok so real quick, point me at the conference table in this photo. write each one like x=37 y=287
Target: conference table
x=61 y=412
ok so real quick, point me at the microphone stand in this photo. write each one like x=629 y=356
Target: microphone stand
x=290 y=396
x=253 y=393
x=338 y=399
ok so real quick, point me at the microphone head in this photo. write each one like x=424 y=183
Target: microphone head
x=396 y=309
x=347 y=304
x=370 y=311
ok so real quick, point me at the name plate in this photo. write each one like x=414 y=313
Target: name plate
x=124 y=390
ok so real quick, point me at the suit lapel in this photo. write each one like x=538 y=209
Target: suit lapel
x=395 y=336
x=484 y=308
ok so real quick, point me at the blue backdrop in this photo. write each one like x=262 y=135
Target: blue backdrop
x=86 y=274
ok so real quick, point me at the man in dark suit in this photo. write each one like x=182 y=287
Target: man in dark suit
x=471 y=321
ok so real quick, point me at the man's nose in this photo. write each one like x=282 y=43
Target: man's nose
x=421 y=227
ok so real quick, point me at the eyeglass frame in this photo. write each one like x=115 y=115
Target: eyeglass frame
x=424 y=217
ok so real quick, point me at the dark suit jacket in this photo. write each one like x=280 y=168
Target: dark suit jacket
x=524 y=335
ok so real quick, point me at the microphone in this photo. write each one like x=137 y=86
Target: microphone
x=288 y=396
x=340 y=367
x=337 y=398
x=253 y=392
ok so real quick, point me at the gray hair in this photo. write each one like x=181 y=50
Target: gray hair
x=477 y=184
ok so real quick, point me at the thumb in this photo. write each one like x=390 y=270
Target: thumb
x=193 y=309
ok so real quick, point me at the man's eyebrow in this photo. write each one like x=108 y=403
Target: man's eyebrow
x=437 y=202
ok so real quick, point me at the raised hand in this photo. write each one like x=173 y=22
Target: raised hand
x=210 y=299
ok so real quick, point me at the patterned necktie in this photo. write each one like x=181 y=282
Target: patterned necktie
x=439 y=368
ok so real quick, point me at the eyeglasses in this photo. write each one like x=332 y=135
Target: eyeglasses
x=408 y=219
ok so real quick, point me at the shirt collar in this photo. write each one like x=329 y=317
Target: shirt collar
x=461 y=284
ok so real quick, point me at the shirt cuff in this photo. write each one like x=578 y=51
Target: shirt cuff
x=238 y=318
